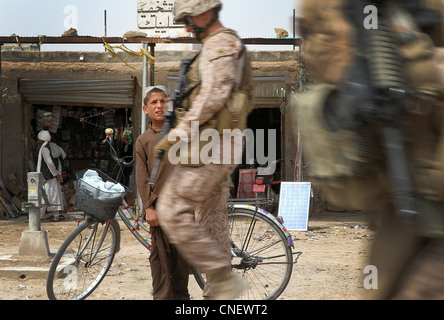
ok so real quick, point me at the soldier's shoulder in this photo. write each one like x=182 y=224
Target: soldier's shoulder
x=223 y=44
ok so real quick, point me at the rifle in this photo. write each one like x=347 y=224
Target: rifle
x=174 y=102
x=384 y=78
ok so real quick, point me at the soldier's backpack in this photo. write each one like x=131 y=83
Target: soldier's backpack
x=334 y=159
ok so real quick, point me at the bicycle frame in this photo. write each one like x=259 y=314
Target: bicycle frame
x=245 y=204
x=136 y=234
x=231 y=206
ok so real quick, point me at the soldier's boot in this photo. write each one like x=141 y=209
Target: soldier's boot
x=227 y=286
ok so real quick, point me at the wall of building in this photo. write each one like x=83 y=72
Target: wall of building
x=97 y=65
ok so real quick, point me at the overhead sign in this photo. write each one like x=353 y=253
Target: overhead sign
x=156 y=19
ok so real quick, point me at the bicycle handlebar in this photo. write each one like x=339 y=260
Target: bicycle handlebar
x=120 y=161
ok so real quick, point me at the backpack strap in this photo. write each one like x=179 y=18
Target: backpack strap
x=188 y=92
x=240 y=70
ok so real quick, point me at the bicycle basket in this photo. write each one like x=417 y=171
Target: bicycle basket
x=95 y=200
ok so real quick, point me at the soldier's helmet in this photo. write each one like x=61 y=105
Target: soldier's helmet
x=184 y=8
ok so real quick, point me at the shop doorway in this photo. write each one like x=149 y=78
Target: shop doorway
x=262 y=119
x=80 y=130
x=76 y=112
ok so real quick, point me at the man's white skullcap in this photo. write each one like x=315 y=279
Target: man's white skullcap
x=148 y=90
x=44 y=135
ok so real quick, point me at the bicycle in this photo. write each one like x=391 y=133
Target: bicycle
x=261 y=249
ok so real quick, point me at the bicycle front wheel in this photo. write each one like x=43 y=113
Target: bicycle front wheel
x=83 y=260
x=261 y=254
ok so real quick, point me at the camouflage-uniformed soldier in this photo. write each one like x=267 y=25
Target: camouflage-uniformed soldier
x=220 y=100
x=354 y=64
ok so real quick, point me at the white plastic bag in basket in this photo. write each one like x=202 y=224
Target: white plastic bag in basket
x=108 y=189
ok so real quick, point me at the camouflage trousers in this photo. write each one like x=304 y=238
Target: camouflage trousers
x=424 y=279
x=193 y=213
x=410 y=265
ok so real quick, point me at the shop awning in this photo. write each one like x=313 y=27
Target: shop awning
x=100 y=92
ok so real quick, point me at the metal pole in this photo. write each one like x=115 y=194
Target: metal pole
x=104 y=14
x=34 y=218
x=144 y=85
x=294 y=27
x=105 y=23
x=152 y=45
x=1 y=109
x=34 y=242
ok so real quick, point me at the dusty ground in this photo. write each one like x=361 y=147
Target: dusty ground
x=331 y=267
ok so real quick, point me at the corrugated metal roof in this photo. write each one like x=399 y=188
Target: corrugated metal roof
x=263 y=89
x=82 y=92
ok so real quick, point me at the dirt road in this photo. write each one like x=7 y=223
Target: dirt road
x=331 y=267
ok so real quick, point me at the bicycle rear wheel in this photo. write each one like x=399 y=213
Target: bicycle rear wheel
x=83 y=260
x=262 y=254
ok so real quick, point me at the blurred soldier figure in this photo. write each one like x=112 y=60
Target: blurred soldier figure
x=219 y=100
x=169 y=270
x=374 y=131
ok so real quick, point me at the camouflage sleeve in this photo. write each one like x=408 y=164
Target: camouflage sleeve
x=218 y=65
